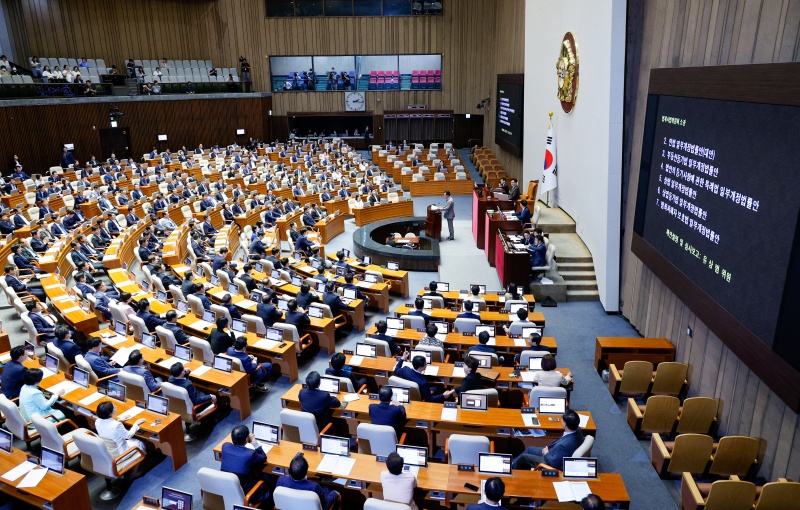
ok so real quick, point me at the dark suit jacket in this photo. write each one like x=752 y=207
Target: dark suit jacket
x=468 y=315
x=177 y=332
x=319 y=403
x=268 y=313
x=300 y=320
x=12 y=379
x=70 y=349
x=326 y=497
x=197 y=397
x=421 y=314
x=244 y=463
x=335 y=303
x=410 y=374
x=473 y=381
x=562 y=447
x=306 y=298
x=389 y=340
x=220 y=340
x=387 y=414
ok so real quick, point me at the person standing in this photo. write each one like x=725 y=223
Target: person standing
x=449 y=213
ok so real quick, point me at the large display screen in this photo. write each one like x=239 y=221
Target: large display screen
x=717 y=201
x=508 y=112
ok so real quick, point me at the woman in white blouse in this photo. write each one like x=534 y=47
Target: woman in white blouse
x=113 y=430
x=157 y=73
x=47 y=74
x=548 y=376
x=57 y=74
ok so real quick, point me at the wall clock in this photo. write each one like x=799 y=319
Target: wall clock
x=355 y=101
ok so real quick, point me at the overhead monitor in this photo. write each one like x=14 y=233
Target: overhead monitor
x=162 y=138
x=509 y=112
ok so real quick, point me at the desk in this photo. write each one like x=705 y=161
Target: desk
x=494 y=301
x=167 y=436
x=512 y=266
x=330 y=227
x=398 y=280
x=437 y=188
x=486 y=317
x=337 y=204
x=497 y=223
x=67 y=492
x=383 y=211
x=67 y=306
x=442 y=477
x=480 y=204
x=619 y=350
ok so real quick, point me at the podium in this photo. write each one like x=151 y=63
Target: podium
x=433 y=222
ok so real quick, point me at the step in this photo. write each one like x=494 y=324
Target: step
x=572 y=259
x=574 y=266
x=577 y=275
x=581 y=285
x=557 y=228
x=583 y=295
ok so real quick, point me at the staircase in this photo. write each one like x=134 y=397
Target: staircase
x=578 y=273
x=132 y=87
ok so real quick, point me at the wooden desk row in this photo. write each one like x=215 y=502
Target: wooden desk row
x=487 y=317
x=67 y=492
x=443 y=479
x=379 y=212
x=397 y=280
x=493 y=300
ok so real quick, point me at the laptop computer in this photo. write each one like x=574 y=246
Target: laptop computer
x=334 y=445
x=283 y=304
x=427 y=303
x=6 y=441
x=484 y=359
x=233 y=289
x=145 y=286
x=209 y=316
x=420 y=352
x=494 y=463
x=239 y=326
x=370 y=278
x=393 y=325
x=481 y=287
x=183 y=352
x=514 y=307
x=173 y=499
x=158 y=405
x=534 y=363
x=161 y=296
x=316 y=312
x=414 y=457
x=265 y=433
x=349 y=295
x=256 y=297
x=315 y=263
x=149 y=340
x=346 y=253
x=442 y=287
x=393 y=266
x=527 y=330
x=223 y=363
x=552 y=405
x=400 y=394
x=259 y=267
x=181 y=307
x=341 y=271
x=366 y=350
x=320 y=287
x=580 y=468
x=80 y=377
x=367 y=260
x=474 y=401
x=214 y=280
x=52 y=460
x=488 y=329
x=297 y=281
x=51 y=363
x=240 y=507
x=116 y=391
x=275 y=334
x=329 y=384
x=442 y=328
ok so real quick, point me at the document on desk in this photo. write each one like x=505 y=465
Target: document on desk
x=336 y=465
x=167 y=363
x=130 y=413
x=527 y=376
x=114 y=340
x=571 y=491
x=5 y=358
x=530 y=419
x=584 y=420
x=459 y=372
x=18 y=471
x=449 y=414
x=520 y=342
x=432 y=370
x=266 y=344
x=246 y=303
x=72 y=309
x=197 y=372
x=33 y=478
x=91 y=399
x=121 y=356
x=351 y=397
x=356 y=360
x=201 y=325
x=67 y=386
x=47 y=372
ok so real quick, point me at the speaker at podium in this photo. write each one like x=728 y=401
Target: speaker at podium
x=433 y=222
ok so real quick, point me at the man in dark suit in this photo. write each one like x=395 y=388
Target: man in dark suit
x=483 y=341
x=178 y=378
x=38 y=242
x=20 y=285
x=416 y=375
x=21 y=262
x=64 y=342
x=219 y=338
x=151 y=320
x=14 y=372
x=172 y=325
x=248 y=280
x=296 y=479
x=99 y=363
x=336 y=369
x=6 y=225
x=299 y=319
x=348 y=284
x=208 y=229
x=468 y=313
x=19 y=219
x=200 y=292
x=305 y=297
x=332 y=299
x=246 y=463
x=553 y=455
x=472 y=381
x=268 y=312
x=432 y=292
x=386 y=413
x=524 y=214
x=187 y=284
x=259 y=247
x=419 y=304
x=381 y=335
x=513 y=192
x=493 y=494
x=44 y=326
x=259 y=373
x=317 y=402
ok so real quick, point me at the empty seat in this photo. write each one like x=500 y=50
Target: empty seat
x=689 y=453
x=658 y=416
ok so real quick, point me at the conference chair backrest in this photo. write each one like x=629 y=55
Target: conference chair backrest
x=731 y=495
x=698 y=415
x=585 y=449
x=524 y=358
x=139 y=327
x=464 y=448
x=670 y=378
x=293 y=499
x=201 y=349
x=299 y=426
x=254 y=324
x=437 y=353
x=492 y=394
x=135 y=386
x=220 y=489
x=167 y=338
x=179 y=401
x=48 y=433
x=690 y=453
x=545 y=391
x=413 y=321
x=636 y=377
x=63 y=364
x=14 y=420
x=376 y=439
x=81 y=363
x=660 y=414
x=779 y=495
x=735 y=455
x=464 y=325
x=382 y=346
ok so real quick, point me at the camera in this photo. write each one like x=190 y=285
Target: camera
x=241 y=59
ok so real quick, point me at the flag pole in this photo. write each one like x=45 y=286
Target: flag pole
x=549 y=125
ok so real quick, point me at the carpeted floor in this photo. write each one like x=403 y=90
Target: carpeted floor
x=574 y=325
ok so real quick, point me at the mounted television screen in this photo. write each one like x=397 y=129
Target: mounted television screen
x=508 y=112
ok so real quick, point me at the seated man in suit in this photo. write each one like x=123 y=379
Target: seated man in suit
x=101 y=366
x=432 y=292
x=199 y=291
x=553 y=455
x=65 y=343
x=14 y=372
x=151 y=320
x=341 y=262
x=538 y=252
x=296 y=479
x=419 y=304
x=23 y=285
x=208 y=229
x=317 y=402
x=246 y=463
x=513 y=192
x=468 y=313
x=522 y=320
x=387 y=412
x=135 y=365
x=305 y=297
x=21 y=262
x=259 y=373
x=348 y=284
x=43 y=322
x=472 y=381
x=220 y=338
x=493 y=494
x=172 y=325
x=415 y=374
x=381 y=328
x=483 y=341
x=332 y=299
x=299 y=319
x=302 y=243
x=336 y=369
x=268 y=312
x=179 y=378
x=524 y=214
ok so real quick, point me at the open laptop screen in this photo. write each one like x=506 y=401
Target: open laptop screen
x=149 y=340
x=209 y=316
x=158 y=405
x=223 y=363
x=333 y=445
x=6 y=440
x=488 y=329
x=552 y=405
x=173 y=499
x=527 y=330
x=392 y=323
x=275 y=334
x=329 y=384
x=420 y=352
x=400 y=395
x=367 y=260
x=514 y=307
x=413 y=455
x=283 y=304
x=80 y=377
x=393 y=266
x=316 y=312
x=534 y=363
x=233 y=289
x=494 y=463
x=350 y=293
x=366 y=350
x=265 y=432
x=579 y=467
x=182 y=306
x=474 y=401
x=239 y=326
x=183 y=352
x=484 y=360
x=442 y=287
x=371 y=278
x=51 y=363
x=116 y=391
x=52 y=460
